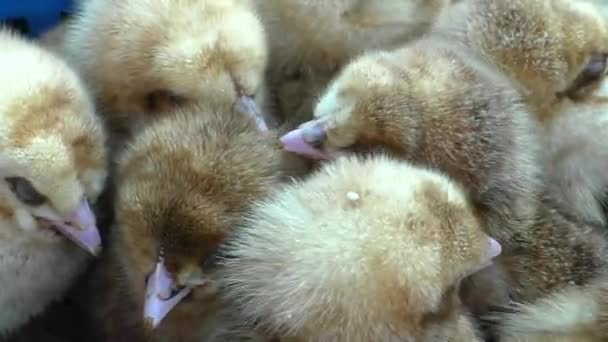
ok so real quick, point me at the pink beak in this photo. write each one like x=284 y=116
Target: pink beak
x=82 y=229
x=158 y=300
x=248 y=105
x=295 y=141
x=494 y=249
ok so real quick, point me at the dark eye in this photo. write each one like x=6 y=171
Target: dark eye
x=593 y=71
x=25 y=191
x=596 y=67
x=163 y=100
x=176 y=290
x=211 y=261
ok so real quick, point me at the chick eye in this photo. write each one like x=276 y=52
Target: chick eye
x=176 y=290
x=25 y=191
x=162 y=100
x=210 y=262
x=596 y=67
x=593 y=71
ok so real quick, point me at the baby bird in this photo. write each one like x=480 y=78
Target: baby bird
x=363 y=250
x=183 y=184
x=53 y=166
x=436 y=104
x=310 y=40
x=556 y=49
x=144 y=58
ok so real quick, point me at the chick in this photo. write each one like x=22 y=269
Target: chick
x=578 y=159
x=53 y=163
x=144 y=58
x=557 y=49
x=310 y=40
x=576 y=314
x=436 y=104
x=363 y=250
x=184 y=183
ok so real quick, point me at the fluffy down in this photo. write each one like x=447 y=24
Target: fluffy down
x=436 y=104
x=52 y=162
x=578 y=159
x=363 y=250
x=557 y=49
x=184 y=183
x=143 y=58
x=310 y=40
x=573 y=315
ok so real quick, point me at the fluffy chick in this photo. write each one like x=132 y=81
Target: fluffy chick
x=364 y=250
x=578 y=159
x=52 y=162
x=183 y=184
x=435 y=103
x=143 y=58
x=556 y=49
x=310 y=40
x=576 y=314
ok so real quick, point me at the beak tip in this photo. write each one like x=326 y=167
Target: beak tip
x=294 y=142
x=150 y=323
x=96 y=250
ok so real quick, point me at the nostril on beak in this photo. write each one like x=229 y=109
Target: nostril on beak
x=314 y=136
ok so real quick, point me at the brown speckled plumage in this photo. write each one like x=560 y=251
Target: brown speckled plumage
x=366 y=249
x=144 y=58
x=311 y=40
x=185 y=182
x=436 y=104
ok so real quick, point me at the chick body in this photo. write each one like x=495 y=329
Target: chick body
x=363 y=250
x=144 y=58
x=557 y=50
x=577 y=160
x=437 y=104
x=51 y=158
x=183 y=185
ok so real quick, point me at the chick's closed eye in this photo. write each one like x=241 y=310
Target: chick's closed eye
x=163 y=100
x=25 y=191
x=591 y=74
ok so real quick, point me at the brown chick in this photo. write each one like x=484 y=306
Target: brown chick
x=310 y=40
x=363 y=250
x=436 y=104
x=52 y=167
x=557 y=49
x=183 y=184
x=433 y=104
x=143 y=58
